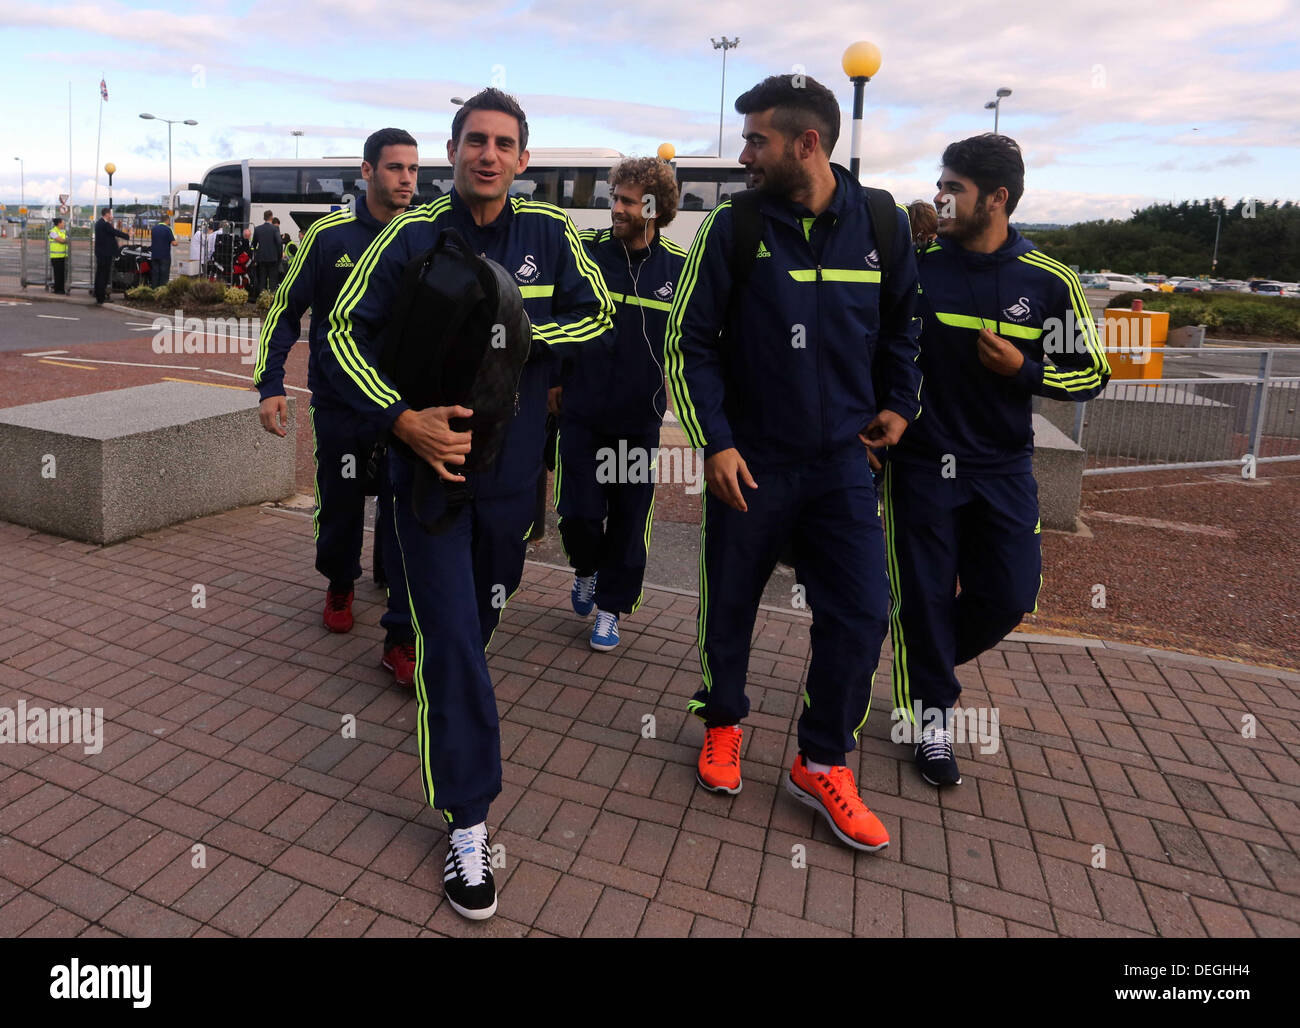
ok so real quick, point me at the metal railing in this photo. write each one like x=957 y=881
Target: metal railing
x=1211 y=407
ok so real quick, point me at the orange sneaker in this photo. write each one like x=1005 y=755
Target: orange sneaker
x=835 y=796
x=718 y=769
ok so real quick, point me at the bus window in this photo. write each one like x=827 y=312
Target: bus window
x=274 y=185
x=328 y=185
x=584 y=187
x=432 y=183
x=538 y=185
x=703 y=189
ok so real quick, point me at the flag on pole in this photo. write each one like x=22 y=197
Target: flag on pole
x=103 y=89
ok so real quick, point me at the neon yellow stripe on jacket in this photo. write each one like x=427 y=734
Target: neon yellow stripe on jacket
x=339 y=336
x=593 y=326
x=281 y=301
x=673 y=360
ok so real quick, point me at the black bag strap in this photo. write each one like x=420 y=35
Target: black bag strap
x=881 y=209
x=746 y=234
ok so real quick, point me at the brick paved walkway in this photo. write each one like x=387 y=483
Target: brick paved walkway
x=223 y=729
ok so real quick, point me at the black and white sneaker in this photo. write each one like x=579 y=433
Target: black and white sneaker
x=935 y=759
x=467 y=875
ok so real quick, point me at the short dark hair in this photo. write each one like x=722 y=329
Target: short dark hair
x=799 y=103
x=267 y=215
x=989 y=160
x=104 y=210
x=376 y=142
x=58 y=221
x=491 y=99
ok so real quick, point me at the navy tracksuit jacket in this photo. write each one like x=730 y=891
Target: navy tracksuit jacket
x=342 y=437
x=790 y=385
x=613 y=403
x=460 y=579
x=960 y=499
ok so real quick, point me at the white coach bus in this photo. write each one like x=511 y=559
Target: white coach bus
x=300 y=191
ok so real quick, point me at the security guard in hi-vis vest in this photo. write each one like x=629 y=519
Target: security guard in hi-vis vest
x=612 y=402
x=345 y=439
x=1003 y=323
x=460 y=576
x=59 y=255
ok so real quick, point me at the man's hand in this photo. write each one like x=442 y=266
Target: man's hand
x=554 y=400
x=274 y=413
x=724 y=472
x=429 y=433
x=998 y=355
x=886 y=429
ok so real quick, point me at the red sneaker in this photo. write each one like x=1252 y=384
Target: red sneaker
x=834 y=795
x=718 y=768
x=338 y=611
x=400 y=660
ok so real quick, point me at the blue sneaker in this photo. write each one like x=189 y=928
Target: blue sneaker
x=605 y=635
x=583 y=595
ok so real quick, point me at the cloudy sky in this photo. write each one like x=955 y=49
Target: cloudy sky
x=1116 y=103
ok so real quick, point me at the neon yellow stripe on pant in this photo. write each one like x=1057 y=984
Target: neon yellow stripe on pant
x=898 y=671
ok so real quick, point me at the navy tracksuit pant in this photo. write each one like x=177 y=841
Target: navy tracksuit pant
x=827 y=509
x=480 y=554
x=604 y=526
x=981 y=530
x=341 y=451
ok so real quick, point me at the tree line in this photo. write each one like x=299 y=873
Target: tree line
x=1256 y=240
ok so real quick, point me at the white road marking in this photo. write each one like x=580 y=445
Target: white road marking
x=57 y=317
x=45 y=353
x=249 y=378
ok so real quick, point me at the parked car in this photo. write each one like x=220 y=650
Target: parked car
x=1192 y=285
x=1122 y=283
x=1269 y=289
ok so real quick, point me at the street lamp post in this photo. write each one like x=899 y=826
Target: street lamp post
x=1214 y=260
x=170 y=123
x=297 y=135
x=860 y=61
x=725 y=45
x=110 y=167
x=996 y=105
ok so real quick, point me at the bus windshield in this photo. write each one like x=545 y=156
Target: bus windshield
x=221 y=196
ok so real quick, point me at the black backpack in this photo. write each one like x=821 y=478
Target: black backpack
x=458 y=335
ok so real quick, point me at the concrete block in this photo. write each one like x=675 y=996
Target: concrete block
x=1058 y=468
x=1281 y=415
x=1059 y=412
x=1189 y=336
x=1158 y=424
x=112 y=465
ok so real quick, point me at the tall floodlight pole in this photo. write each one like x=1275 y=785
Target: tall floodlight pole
x=297 y=135
x=725 y=45
x=860 y=61
x=996 y=105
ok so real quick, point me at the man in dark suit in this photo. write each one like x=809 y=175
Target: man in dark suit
x=267 y=251
x=106 y=244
